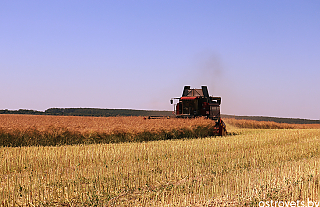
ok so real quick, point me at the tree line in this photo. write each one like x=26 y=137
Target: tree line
x=89 y=112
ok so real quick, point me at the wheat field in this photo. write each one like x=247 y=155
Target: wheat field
x=252 y=124
x=28 y=130
x=133 y=124
x=242 y=169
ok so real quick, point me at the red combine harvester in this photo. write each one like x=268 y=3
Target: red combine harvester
x=197 y=102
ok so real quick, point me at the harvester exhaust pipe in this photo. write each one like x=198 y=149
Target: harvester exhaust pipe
x=186 y=90
x=205 y=91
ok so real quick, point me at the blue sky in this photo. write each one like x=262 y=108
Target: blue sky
x=261 y=57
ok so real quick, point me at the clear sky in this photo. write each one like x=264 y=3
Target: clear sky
x=261 y=57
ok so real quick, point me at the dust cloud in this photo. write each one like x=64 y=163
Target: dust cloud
x=208 y=70
x=203 y=69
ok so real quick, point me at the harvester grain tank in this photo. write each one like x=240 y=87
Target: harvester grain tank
x=197 y=102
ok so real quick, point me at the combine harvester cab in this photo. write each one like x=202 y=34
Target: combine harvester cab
x=197 y=102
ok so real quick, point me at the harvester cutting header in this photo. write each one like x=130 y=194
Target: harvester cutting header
x=197 y=102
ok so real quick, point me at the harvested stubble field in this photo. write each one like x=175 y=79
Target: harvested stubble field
x=240 y=170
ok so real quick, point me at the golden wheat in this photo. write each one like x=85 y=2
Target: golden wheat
x=132 y=124
x=27 y=130
x=252 y=124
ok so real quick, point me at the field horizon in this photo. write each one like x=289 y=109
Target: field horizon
x=104 y=112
